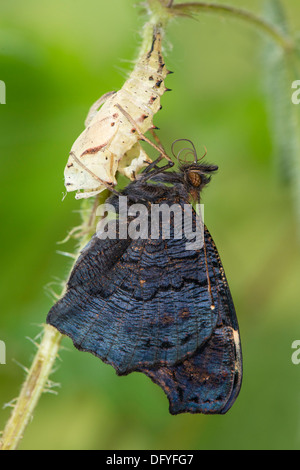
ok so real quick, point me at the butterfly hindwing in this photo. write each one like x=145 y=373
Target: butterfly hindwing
x=208 y=381
x=204 y=382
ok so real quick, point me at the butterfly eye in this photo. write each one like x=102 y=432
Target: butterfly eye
x=194 y=178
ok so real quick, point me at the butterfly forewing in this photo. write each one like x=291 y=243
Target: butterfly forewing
x=137 y=304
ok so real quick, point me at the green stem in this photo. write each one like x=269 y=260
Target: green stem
x=191 y=8
x=160 y=13
x=38 y=374
x=33 y=387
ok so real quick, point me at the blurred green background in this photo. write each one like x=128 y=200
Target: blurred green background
x=56 y=59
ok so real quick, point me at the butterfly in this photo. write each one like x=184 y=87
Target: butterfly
x=150 y=305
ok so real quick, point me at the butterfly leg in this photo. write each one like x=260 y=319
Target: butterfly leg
x=152 y=165
x=155 y=162
x=154 y=170
x=157 y=140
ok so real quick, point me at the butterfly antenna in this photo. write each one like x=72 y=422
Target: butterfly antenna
x=204 y=154
x=191 y=150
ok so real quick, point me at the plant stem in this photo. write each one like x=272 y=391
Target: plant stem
x=32 y=388
x=191 y=8
x=40 y=370
x=160 y=13
x=38 y=374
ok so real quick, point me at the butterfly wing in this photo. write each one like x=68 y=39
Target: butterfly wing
x=209 y=381
x=146 y=305
x=136 y=303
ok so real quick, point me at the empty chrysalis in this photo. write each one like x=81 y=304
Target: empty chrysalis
x=111 y=140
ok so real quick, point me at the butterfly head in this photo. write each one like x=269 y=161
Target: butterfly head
x=195 y=174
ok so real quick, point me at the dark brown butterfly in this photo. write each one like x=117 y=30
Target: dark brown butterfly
x=154 y=306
